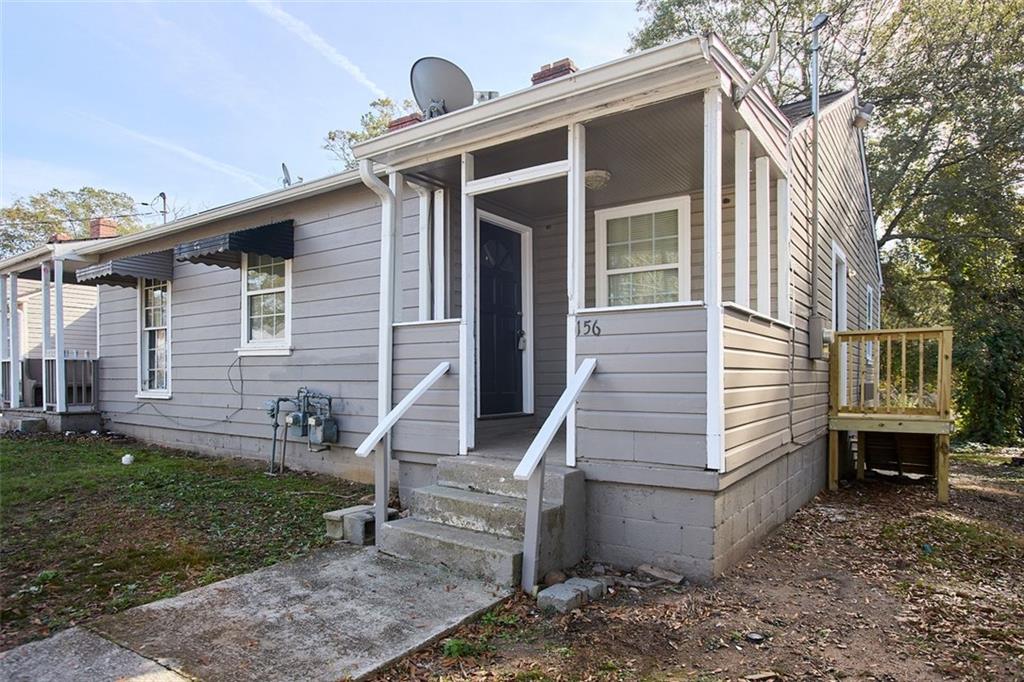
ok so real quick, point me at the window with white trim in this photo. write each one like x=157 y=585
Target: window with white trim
x=643 y=253
x=869 y=315
x=266 y=302
x=154 y=337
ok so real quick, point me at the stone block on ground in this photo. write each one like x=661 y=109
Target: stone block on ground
x=335 y=520
x=595 y=588
x=562 y=598
x=359 y=526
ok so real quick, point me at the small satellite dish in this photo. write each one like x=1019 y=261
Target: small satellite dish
x=440 y=87
x=287 y=179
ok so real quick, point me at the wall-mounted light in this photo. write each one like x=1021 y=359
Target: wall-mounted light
x=597 y=179
x=863 y=115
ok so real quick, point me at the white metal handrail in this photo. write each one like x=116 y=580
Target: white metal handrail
x=400 y=409
x=531 y=469
x=389 y=420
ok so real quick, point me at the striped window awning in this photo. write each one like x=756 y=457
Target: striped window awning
x=125 y=272
x=225 y=250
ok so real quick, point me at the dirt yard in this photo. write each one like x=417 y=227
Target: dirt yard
x=83 y=535
x=876 y=581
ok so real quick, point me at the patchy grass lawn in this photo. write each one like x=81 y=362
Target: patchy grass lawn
x=83 y=535
x=876 y=581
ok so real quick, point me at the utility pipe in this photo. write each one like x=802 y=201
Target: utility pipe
x=815 y=323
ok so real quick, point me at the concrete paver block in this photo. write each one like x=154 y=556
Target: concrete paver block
x=359 y=526
x=335 y=520
x=562 y=598
x=595 y=588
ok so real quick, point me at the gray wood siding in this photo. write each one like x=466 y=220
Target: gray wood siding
x=647 y=400
x=432 y=424
x=216 y=394
x=79 y=320
x=843 y=217
x=757 y=387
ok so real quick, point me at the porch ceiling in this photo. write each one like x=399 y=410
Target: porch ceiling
x=651 y=152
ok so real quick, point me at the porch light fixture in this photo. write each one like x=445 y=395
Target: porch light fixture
x=597 y=179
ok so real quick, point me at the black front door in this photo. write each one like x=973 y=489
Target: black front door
x=501 y=321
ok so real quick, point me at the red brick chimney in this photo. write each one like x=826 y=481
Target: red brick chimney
x=404 y=121
x=102 y=227
x=563 y=67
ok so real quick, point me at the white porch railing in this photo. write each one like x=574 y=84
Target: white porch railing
x=384 y=427
x=81 y=382
x=531 y=470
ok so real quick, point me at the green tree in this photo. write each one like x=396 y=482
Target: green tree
x=945 y=156
x=30 y=221
x=373 y=123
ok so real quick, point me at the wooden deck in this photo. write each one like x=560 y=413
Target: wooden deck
x=892 y=389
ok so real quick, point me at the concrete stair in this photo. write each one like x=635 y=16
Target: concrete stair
x=472 y=520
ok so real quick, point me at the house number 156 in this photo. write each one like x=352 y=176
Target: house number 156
x=587 y=328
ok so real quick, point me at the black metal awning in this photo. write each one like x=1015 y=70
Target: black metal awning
x=225 y=250
x=124 y=272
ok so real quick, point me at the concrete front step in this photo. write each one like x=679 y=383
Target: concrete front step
x=484 y=512
x=464 y=551
x=490 y=475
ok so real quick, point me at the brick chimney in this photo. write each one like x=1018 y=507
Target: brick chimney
x=102 y=227
x=563 y=67
x=405 y=121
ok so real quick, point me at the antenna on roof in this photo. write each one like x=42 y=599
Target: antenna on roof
x=440 y=87
x=286 y=181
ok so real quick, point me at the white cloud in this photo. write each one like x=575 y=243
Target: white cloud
x=316 y=41
x=252 y=179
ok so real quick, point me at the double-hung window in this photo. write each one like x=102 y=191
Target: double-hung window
x=643 y=253
x=266 y=304
x=154 y=338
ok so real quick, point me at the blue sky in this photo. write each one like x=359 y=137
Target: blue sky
x=204 y=101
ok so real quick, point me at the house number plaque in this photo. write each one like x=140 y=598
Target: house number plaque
x=588 y=328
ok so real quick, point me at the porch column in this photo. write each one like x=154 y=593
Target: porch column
x=576 y=222
x=14 y=334
x=713 y=275
x=60 y=382
x=764 y=236
x=440 y=249
x=782 y=216
x=741 y=265
x=4 y=347
x=44 y=270
x=423 y=286
x=467 y=323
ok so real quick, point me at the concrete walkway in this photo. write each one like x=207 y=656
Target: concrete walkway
x=340 y=613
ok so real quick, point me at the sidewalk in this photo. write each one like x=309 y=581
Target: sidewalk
x=341 y=613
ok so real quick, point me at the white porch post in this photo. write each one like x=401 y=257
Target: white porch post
x=782 y=216
x=576 y=234
x=741 y=266
x=45 y=281
x=423 y=287
x=60 y=382
x=467 y=323
x=15 y=341
x=440 y=285
x=4 y=348
x=764 y=236
x=713 y=275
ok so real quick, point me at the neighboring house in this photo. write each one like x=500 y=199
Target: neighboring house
x=628 y=219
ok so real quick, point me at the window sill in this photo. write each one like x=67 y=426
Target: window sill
x=278 y=351
x=153 y=396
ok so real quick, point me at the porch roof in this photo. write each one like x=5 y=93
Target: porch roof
x=124 y=272
x=654 y=75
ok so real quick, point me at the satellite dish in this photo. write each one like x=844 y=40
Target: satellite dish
x=287 y=179
x=440 y=87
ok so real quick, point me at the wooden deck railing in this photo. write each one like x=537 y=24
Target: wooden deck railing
x=905 y=372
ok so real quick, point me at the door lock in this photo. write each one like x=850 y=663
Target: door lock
x=521 y=339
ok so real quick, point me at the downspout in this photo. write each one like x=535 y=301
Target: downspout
x=816 y=324
x=388 y=224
